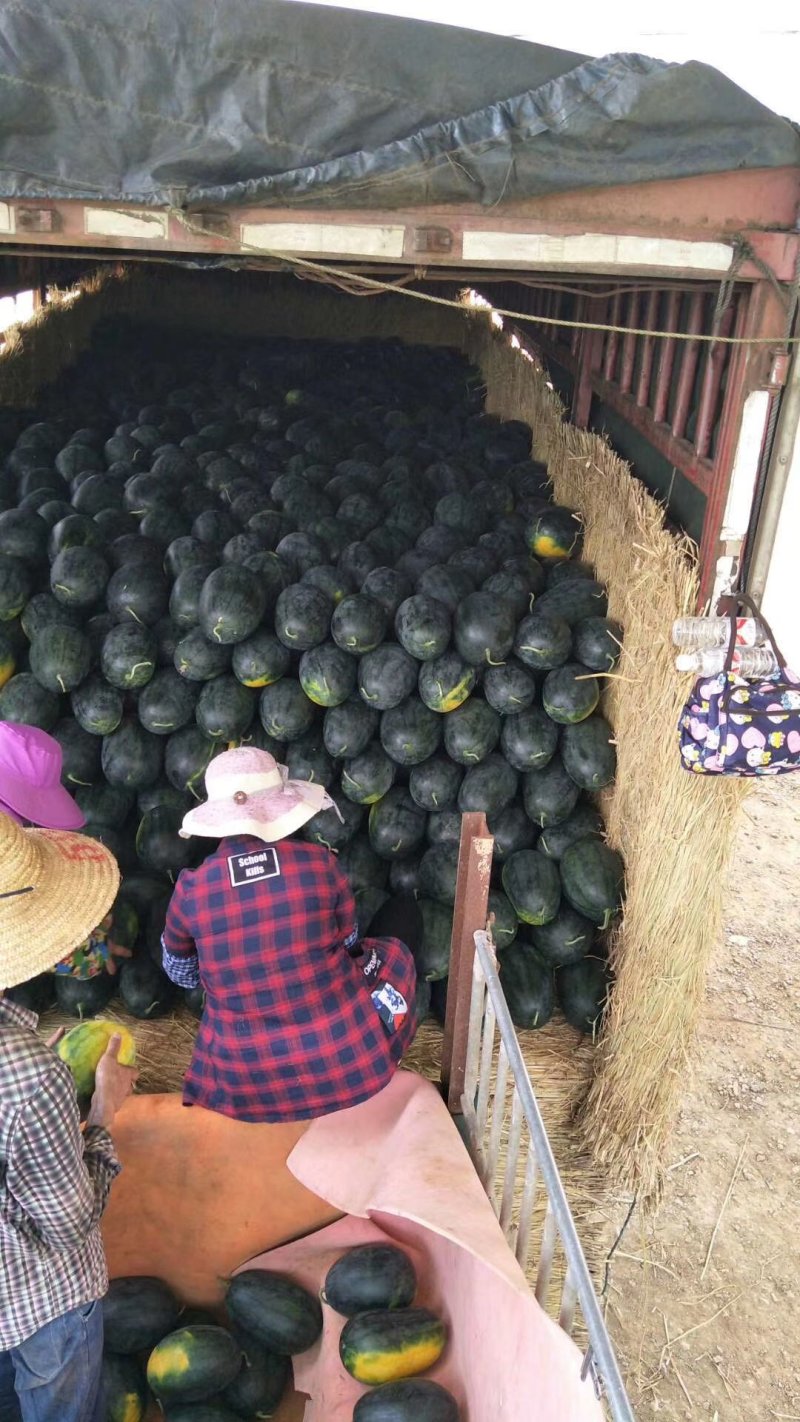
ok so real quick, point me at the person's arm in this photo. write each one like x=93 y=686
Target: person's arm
x=60 y=1178
x=178 y=948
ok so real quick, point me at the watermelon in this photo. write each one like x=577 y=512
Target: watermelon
x=22 y=535
x=78 y=577
x=396 y=825
x=225 y=708
x=257 y=1389
x=410 y=733
x=462 y=513
x=589 y=754
x=597 y=643
x=385 y=1346
x=16 y=586
x=124 y=1389
x=84 y=997
x=184 y=599
x=333 y=830
x=434 y=784
x=368 y=776
x=192 y=1364
x=197 y=659
x=60 y=658
x=128 y=656
x=580 y=824
x=528 y=986
x=144 y=988
x=509 y=688
x=512 y=587
x=307 y=759
x=103 y=804
x=386 y=677
x=363 y=867
x=490 y=786
x=137 y=1313
x=582 y=991
x=131 y=756
x=302 y=616
x=328 y=580
x=511 y=830
x=446 y=682
x=445 y=584
x=133 y=597
x=422 y=626
x=42 y=612
x=187 y=552
x=529 y=740
x=412 y=1400
x=232 y=604
x=327 y=675
x=348 y=728
x=532 y=884
x=96 y=706
x=573 y=601
x=279 y=1314
x=24 y=701
x=359 y=624
x=261 y=659
x=438 y=872
x=367 y=1277
x=83 y=1047
x=555 y=534
x=166 y=703
x=484 y=629
x=404 y=875
x=543 y=643
x=570 y=694
x=565 y=939
x=506 y=924
x=593 y=880
x=80 y=752
x=388 y=587
x=73 y=531
x=471 y=732
x=285 y=710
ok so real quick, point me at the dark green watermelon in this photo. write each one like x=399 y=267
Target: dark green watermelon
x=446 y=682
x=432 y=955
x=478 y=563
x=187 y=552
x=484 y=629
x=404 y=875
x=423 y=626
x=565 y=939
x=307 y=759
x=438 y=871
x=543 y=642
x=583 y=822
x=348 y=729
x=60 y=658
x=22 y=535
x=388 y=587
x=302 y=616
x=285 y=710
x=528 y=986
x=549 y=795
x=512 y=830
x=529 y=740
x=78 y=577
x=359 y=624
x=96 y=706
x=260 y=659
x=128 y=656
x=364 y=868
x=490 y=786
x=582 y=991
x=386 y=677
x=36 y=995
x=597 y=643
x=446 y=584
x=257 y=1389
x=232 y=604
x=16 y=586
x=184 y=600
x=555 y=534
x=80 y=754
x=510 y=688
x=506 y=924
x=396 y=825
x=73 y=531
x=197 y=659
x=444 y=827
x=532 y=884
x=225 y=708
x=84 y=997
x=137 y=595
x=593 y=879
x=471 y=732
x=186 y=757
x=42 y=611
x=329 y=580
x=570 y=694
x=104 y=804
x=368 y=776
x=158 y=843
x=145 y=989
x=334 y=830
x=410 y=733
x=512 y=587
x=434 y=784
x=327 y=675
x=27 y=703
x=132 y=757
x=589 y=754
x=166 y=703
x=573 y=601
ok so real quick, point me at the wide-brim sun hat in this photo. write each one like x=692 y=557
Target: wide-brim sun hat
x=249 y=793
x=55 y=888
x=30 y=779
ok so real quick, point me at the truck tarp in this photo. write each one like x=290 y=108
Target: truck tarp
x=271 y=103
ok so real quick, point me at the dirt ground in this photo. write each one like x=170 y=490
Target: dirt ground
x=704 y=1298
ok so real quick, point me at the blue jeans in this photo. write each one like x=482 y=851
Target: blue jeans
x=55 y=1375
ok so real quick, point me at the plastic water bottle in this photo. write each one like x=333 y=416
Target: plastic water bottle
x=747 y=661
x=694 y=633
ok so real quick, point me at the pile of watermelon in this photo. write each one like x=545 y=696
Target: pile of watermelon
x=330 y=551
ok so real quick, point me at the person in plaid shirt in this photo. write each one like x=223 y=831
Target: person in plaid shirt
x=300 y=1018
x=55 y=887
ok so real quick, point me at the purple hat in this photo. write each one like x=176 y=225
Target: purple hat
x=30 y=779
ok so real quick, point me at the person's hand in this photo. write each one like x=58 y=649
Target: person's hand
x=54 y=1040
x=116 y=950
x=113 y=1085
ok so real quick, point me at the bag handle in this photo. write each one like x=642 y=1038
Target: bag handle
x=729 y=607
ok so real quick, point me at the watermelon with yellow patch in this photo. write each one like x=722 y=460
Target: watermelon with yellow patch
x=84 y=1045
x=8 y=663
x=193 y=1364
x=554 y=535
x=446 y=682
x=389 y=1344
x=124 y=1389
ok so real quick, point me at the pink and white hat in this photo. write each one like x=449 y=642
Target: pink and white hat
x=30 y=779
x=249 y=793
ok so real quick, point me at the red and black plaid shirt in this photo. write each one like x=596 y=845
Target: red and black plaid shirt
x=289 y=1029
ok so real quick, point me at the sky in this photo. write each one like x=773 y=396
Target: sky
x=761 y=55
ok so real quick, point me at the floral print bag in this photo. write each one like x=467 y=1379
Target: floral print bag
x=732 y=726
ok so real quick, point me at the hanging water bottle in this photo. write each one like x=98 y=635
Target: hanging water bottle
x=753 y=662
x=692 y=634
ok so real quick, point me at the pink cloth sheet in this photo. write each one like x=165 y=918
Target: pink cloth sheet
x=398 y=1170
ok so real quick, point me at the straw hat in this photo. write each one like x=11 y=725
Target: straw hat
x=55 y=887
x=249 y=793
